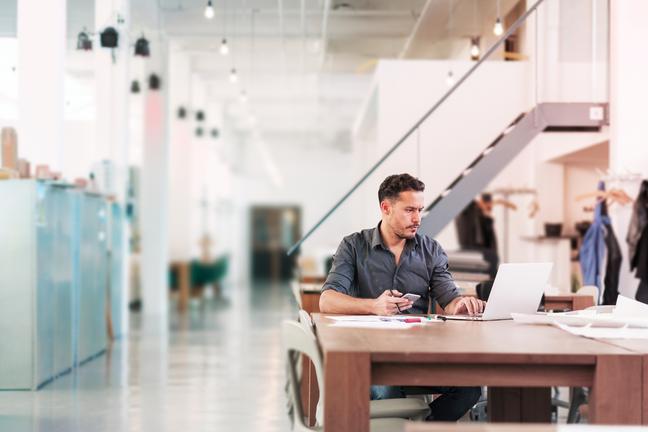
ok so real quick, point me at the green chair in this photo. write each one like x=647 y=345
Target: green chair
x=297 y=341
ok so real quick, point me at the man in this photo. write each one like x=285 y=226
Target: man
x=372 y=270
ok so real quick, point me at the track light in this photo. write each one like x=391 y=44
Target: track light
x=224 y=48
x=135 y=87
x=84 y=43
x=450 y=81
x=233 y=77
x=200 y=115
x=142 y=47
x=154 y=82
x=109 y=38
x=475 y=51
x=498 y=28
x=209 y=10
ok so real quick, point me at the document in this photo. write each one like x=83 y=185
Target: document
x=630 y=308
x=606 y=332
x=380 y=321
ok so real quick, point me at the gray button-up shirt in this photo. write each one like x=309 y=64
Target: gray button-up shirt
x=364 y=267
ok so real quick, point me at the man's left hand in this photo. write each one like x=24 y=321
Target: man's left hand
x=466 y=306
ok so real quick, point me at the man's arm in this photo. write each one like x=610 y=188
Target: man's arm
x=388 y=303
x=336 y=293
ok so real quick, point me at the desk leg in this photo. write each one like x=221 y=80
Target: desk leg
x=309 y=391
x=519 y=405
x=645 y=390
x=184 y=288
x=616 y=396
x=347 y=377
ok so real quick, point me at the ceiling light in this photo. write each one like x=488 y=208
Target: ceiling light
x=243 y=97
x=142 y=47
x=474 y=48
x=224 y=48
x=498 y=28
x=209 y=10
x=154 y=82
x=135 y=87
x=200 y=115
x=233 y=77
x=84 y=43
x=450 y=79
x=109 y=38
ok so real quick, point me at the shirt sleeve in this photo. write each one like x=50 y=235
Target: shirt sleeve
x=343 y=270
x=442 y=286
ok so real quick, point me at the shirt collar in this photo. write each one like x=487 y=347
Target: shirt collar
x=377 y=240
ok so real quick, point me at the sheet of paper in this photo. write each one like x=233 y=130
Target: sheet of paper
x=630 y=308
x=606 y=332
x=374 y=324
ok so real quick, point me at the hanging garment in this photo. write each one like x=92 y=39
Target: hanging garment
x=638 y=242
x=612 y=268
x=592 y=251
x=476 y=231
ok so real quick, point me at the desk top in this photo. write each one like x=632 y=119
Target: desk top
x=465 y=341
x=639 y=346
x=508 y=427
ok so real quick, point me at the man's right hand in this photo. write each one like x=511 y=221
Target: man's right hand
x=389 y=302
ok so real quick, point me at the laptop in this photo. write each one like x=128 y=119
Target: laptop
x=518 y=288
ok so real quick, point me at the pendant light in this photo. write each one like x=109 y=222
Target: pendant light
x=224 y=48
x=209 y=10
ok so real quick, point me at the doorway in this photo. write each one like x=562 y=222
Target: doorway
x=274 y=229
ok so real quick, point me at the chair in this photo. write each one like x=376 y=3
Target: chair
x=409 y=408
x=297 y=340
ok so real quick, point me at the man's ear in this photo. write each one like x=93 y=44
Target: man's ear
x=385 y=206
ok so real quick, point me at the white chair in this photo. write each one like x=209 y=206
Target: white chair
x=406 y=408
x=297 y=341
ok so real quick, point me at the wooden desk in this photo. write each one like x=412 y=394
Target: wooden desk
x=503 y=427
x=640 y=347
x=452 y=353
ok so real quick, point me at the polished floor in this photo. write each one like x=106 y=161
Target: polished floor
x=216 y=368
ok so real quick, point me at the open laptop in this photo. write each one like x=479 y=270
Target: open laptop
x=517 y=288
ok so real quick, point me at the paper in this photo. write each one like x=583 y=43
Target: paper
x=606 y=332
x=374 y=324
x=630 y=308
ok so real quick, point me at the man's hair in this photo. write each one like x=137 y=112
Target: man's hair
x=397 y=183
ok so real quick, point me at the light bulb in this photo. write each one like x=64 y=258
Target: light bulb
x=474 y=50
x=209 y=10
x=224 y=48
x=233 y=77
x=243 y=96
x=498 y=28
x=450 y=79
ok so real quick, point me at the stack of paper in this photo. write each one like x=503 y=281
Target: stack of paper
x=379 y=322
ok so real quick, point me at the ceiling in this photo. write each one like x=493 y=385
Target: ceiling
x=306 y=65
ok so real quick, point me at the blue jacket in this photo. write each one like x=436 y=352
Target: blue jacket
x=593 y=249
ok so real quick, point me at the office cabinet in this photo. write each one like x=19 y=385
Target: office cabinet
x=53 y=281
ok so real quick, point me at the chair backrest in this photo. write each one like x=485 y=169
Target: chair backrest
x=296 y=290
x=298 y=340
x=305 y=320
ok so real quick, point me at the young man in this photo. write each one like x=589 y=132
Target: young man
x=372 y=270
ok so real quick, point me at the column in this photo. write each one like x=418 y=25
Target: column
x=154 y=187
x=628 y=127
x=41 y=30
x=112 y=92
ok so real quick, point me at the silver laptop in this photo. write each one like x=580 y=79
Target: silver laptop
x=517 y=288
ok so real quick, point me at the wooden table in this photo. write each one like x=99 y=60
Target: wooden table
x=453 y=353
x=640 y=347
x=502 y=427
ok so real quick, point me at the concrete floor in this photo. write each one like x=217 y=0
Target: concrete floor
x=218 y=367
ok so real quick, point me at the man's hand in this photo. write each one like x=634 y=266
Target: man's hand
x=465 y=306
x=389 y=302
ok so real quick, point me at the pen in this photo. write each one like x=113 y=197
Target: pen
x=397 y=307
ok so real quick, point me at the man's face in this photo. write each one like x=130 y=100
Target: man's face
x=403 y=215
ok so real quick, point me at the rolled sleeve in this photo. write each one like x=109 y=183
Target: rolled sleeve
x=342 y=273
x=442 y=286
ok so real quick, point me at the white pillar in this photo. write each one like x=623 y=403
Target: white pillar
x=154 y=190
x=181 y=149
x=628 y=96
x=41 y=29
x=112 y=92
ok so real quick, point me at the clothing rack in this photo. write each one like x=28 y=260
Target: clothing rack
x=506 y=193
